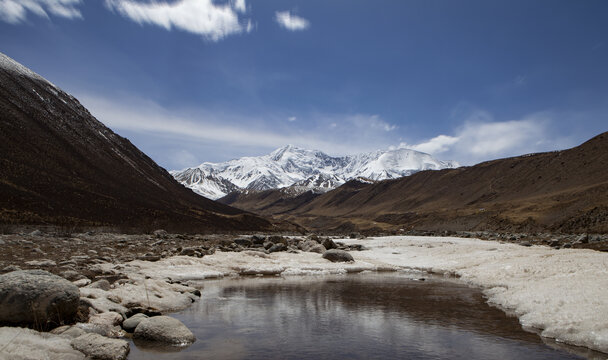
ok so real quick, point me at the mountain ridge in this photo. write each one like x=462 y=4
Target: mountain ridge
x=303 y=170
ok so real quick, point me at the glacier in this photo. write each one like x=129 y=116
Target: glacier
x=304 y=170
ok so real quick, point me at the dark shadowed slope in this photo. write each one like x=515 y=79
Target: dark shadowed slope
x=559 y=191
x=60 y=166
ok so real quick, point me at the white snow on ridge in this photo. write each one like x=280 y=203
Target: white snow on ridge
x=563 y=293
x=9 y=64
x=307 y=170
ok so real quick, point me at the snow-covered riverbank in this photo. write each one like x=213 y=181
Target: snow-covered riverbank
x=560 y=292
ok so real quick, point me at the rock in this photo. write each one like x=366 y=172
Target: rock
x=102 y=284
x=268 y=245
x=70 y=275
x=110 y=318
x=277 y=247
x=131 y=323
x=44 y=262
x=276 y=239
x=164 y=329
x=312 y=246
x=30 y=344
x=329 y=244
x=36 y=233
x=11 y=268
x=68 y=330
x=189 y=251
x=243 y=242
x=37 y=298
x=258 y=240
x=335 y=255
x=82 y=282
x=160 y=234
x=98 y=347
x=525 y=243
x=582 y=239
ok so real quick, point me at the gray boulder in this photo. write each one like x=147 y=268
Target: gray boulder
x=98 y=347
x=277 y=247
x=37 y=298
x=164 y=329
x=335 y=255
x=131 y=323
x=329 y=244
x=312 y=246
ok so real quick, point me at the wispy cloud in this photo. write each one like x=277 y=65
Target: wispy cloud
x=350 y=133
x=482 y=138
x=291 y=22
x=292 y=118
x=201 y=17
x=15 y=11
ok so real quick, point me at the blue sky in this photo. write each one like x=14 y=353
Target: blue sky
x=189 y=81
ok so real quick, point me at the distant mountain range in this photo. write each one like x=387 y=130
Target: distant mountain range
x=297 y=170
x=60 y=166
x=559 y=191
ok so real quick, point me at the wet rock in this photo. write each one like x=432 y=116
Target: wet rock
x=164 y=329
x=335 y=255
x=131 y=323
x=98 y=347
x=277 y=247
x=37 y=298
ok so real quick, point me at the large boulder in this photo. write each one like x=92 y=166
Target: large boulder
x=335 y=255
x=26 y=344
x=37 y=298
x=164 y=329
x=98 y=347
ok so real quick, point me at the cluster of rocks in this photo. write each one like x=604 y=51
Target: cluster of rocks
x=43 y=301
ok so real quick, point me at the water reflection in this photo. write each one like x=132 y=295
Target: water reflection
x=365 y=316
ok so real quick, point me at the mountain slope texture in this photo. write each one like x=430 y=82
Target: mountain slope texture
x=303 y=170
x=564 y=191
x=60 y=166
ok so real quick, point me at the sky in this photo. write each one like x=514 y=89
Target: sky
x=189 y=81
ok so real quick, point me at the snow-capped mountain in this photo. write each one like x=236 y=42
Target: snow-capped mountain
x=303 y=170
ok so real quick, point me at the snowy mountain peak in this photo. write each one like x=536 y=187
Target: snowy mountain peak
x=303 y=170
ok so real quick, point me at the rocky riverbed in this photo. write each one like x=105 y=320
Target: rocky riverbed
x=126 y=283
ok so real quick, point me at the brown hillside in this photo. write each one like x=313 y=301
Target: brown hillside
x=60 y=166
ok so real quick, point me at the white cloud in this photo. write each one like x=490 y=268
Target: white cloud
x=482 y=138
x=201 y=17
x=436 y=145
x=292 y=118
x=239 y=5
x=291 y=22
x=15 y=11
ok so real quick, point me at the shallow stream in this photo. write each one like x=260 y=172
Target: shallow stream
x=362 y=316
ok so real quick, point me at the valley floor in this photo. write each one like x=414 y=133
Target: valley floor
x=560 y=293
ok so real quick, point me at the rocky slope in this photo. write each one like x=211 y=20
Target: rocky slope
x=303 y=170
x=564 y=191
x=61 y=166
